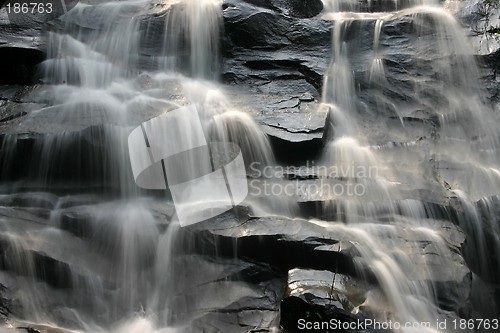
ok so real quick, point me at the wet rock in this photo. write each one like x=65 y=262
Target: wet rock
x=296 y=136
x=255 y=27
x=252 y=294
x=21 y=47
x=305 y=8
x=325 y=288
x=480 y=222
x=321 y=296
x=294 y=147
x=490 y=66
x=4 y=303
x=296 y=122
x=76 y=214
x=451 y=280
x=22 y=157
x=34 y=264
x=15 y=104
x=291 y=243
x=289 y=113
x=278 y=58
x=77 y=222
x=485 y=298
x=17 y=64
x=28 y=329
x=35 y=200
x=30 y=248
x=42 y=329
x=248 y=61
x=71 y=201
x=483 y=20
x=294 y=8
x=23 y=218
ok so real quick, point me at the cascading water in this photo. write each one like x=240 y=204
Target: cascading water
x=464 y=129
x=118 y=261
x=192 y=31
x=94 y=87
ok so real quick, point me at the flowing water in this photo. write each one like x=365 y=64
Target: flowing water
x=110 y=262
x=464 y=130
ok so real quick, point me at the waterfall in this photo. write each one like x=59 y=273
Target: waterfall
x=464 y=129
x=97 y=86
x=108 y=184
x=192 y=31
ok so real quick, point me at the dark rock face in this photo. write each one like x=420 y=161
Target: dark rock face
x=482 y=18
x=275 y=56
x=17 y=64
x=255 y=29
x=293 y=60
x=257 y=238
x=320 y=296
x=21 y=48
x=252 y=295
x=24 y=258
x=4 y=304
x=305 y=8
x=482 y=21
